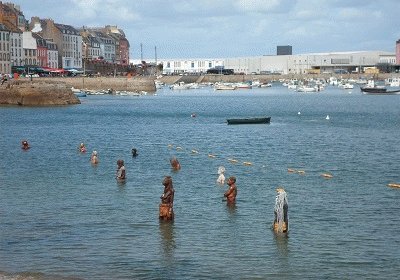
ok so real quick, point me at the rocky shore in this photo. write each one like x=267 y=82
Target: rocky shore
x=37 y=93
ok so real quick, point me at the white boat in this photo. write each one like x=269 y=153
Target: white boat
x=243 y=85
x=392 y=82
x=264 y=85
x=193 y=86
x=80 y=93
x=225 y=86
x=180 y=85
x=333 y=81
x=346 y=86
x=306 y=89
x=158 y=84
x=75 y=90
x=256 y=83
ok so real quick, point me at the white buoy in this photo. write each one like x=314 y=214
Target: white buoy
x=327 y=117
x=298 y=113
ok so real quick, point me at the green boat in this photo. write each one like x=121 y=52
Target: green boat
x=258 y=120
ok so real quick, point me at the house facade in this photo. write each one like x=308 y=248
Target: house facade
x=67 y=39
x=52 y=54
x=30 y=49
x=5 y=59
x=41 y=51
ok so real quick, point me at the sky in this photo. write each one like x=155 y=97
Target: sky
x=232 y=28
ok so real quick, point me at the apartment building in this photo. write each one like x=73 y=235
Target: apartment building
x=5 y=60
x=67 y=39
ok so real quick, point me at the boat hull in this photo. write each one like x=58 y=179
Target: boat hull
x=261 y=120
x=379 y=91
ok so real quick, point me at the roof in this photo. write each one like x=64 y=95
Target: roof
x=64 y=28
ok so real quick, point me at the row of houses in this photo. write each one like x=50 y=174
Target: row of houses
x=47 y=44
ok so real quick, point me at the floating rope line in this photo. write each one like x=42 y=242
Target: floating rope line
x=394 y=185
x=245 y=163
x=327 y=175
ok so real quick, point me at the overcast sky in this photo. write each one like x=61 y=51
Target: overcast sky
x=233 y=28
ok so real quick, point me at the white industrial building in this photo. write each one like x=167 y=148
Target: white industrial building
x=334 y=62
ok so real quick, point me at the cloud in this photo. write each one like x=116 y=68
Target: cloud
x=262 y=6
x=206 y=28
x=114 y=10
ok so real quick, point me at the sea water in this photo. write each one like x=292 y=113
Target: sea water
x=63 y=218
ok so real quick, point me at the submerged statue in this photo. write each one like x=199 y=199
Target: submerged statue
x=221 y=177
x=25 y=145
x=167 y=200
x=281 y=221
x=175 y=164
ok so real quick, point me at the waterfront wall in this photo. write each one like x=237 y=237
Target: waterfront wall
x=132 y=84
x=210 y=78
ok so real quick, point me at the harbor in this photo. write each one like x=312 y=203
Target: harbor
x=65 y=218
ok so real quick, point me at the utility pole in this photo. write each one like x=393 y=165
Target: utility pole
x=155 y=54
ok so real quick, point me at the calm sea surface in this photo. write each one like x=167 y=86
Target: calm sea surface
x=62 y=218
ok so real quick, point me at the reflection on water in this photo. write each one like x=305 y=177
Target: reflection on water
x=121 y=183
x=167 y=239
x=231 y=207
x=281 y=240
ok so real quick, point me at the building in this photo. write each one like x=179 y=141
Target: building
x=398 y=52
x=67 y=39
x=90 y=47
x=105 y=43
x=335 y=62
x=42 y=59
x=5 y=60
x=29 y=45
x=107 y=46
x=52 y=54
x=121 y=44
x=16 y=48
x=191 y=66
x=284 y=50
x=13 y=15
x=13 y=21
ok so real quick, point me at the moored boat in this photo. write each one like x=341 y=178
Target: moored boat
x=80 y=93
x=379 y=91
x=257 y=120
x=372 y=88
x=225 y=86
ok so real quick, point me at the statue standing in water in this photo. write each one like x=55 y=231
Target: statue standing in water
x=121 y=173
x=221 y=177
x=25 y=145
x=231 y=193
x=167 y=200
x=175 y=164
x=281 y=221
